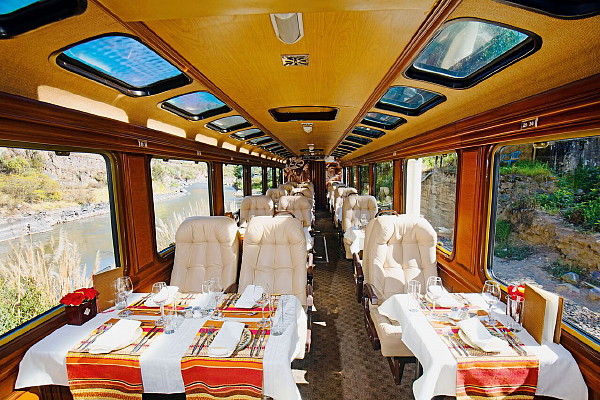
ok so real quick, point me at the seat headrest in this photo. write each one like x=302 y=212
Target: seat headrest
x=280 y=229
x=206 y=229
x=402 y=227
x=256 y=202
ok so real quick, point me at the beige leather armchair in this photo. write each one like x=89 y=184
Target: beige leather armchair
x=398 y=249
x=331 y=195
x=275 y=194
x=255 y=205
x=275 y=253
x=205 y=248
x=301 y=208
x=339 y=195
x=353 y=209
x=287 y=187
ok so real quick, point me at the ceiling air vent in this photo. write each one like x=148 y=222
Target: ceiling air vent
x=292 y=60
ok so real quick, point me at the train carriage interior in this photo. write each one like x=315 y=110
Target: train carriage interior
x=336 y=199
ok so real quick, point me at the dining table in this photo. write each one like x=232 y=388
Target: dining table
x=559 y=375
x=45 y=362
x=356 y=236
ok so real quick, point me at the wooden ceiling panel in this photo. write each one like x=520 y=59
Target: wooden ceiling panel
x=349 y=53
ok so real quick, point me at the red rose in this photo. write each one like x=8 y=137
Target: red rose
x=516 y=291
x=89 y=293
x=73 y=299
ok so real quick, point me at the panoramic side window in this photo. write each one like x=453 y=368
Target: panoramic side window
x=179 y=190
x=431 y=192
x=56 y=228
x=351 y=182
x=363 y=172
x=273 y=177
x=547 y=223
x=384 y=185
x=233 y=187
x=257 y=180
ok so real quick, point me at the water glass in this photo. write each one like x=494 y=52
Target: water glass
x=491 y=295
x=278 y=320
x=160 y=299
x=172 y=319
x=120 y=299
x=514 y=309
x=123 y=288
x=207 y=306
x=263 y=299
x=414 y=291
x=217 y=293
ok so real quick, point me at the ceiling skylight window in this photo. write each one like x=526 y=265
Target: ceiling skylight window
x=195 y=106
x=247 y=134
x=358 y=139
x=368 y=132
x=228 y=124
x=123 y=63
x=262 y=140
x=351 y=145
x=384 y=121
x=409 y=100
x=20 y=16
x=467 y=51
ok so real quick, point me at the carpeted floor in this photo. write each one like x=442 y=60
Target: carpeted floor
x=342 y=364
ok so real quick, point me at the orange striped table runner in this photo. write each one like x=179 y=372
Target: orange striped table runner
x=115 y=375
x=489 y=376
x=237 y=377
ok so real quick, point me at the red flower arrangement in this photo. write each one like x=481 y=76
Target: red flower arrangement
x=79 y=296
x=516 y=291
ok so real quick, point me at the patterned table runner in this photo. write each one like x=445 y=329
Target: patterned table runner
x=239 y=376
x=480 y=375
x=231 y=311
x=115 y=375
x=138 y=307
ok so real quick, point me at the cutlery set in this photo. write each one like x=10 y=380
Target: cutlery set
x=255 y=350
x=232 y=299
x=205 y=335
x=100 y=331
x=511 y=341
x=149 y=335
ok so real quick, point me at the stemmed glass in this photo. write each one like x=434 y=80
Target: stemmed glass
x=363 y=221
x=261 y=294
x=216 y=288
x=160 y=299
x=491 y=295
x=434 y=289
x=124 y=285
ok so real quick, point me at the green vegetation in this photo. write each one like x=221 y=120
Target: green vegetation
x=534 y=169
x=167 y=177
x=384 y=178
x=167 y=227
x=257 y=179
x=447 y=163
x=33 y=278
x=232 y=176
x=577 y=198
x=504 y=248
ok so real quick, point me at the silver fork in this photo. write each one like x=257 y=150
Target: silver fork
x=100 y=331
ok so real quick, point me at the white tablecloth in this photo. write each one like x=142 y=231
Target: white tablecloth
x=45 y=362
x=559 y=375
x=357 y=239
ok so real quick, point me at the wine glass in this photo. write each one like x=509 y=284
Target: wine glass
x=414 y=291
x=434 y=289
x=123 y=285
x=160 y=297
x=216 y=288
x=363 y=221
x=261 y=296
x=491 y=295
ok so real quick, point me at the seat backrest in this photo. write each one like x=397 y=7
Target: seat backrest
x=255 y=205
x=341 y=193
x=275 y=194
x=354 y=207
x=275 y=253
x=304 y=191
x=205 y=248
x=308 y=185
x=287 y=187
x=398 y=249
x=300 y=206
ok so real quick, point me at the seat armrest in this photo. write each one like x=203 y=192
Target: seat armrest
x=358 y=271
x=309 y=306
x=231 y=288
x=310 y=268
x=370 y=294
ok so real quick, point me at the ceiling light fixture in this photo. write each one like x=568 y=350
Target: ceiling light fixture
x=307 y=127
x=288 y=27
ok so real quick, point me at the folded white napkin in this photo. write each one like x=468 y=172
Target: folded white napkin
x=201 y=300
x=479 y=335
x=119 y=335
x=445 y=300
x=169 y=293
x=248 y=298
x=227 y=339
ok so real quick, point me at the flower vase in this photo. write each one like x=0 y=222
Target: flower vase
x=514 y=309
x=78 y=315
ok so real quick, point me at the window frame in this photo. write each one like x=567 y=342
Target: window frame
x=393 y=179
x=381 y=125
x=165 y=105
x=448 y=254
x=242 y=180
x=494 y=162
x=211 y=125
x=359 y=140
x=517 y=53
x=38 y=14
x=262 y=183
x=558 y=9
x=113 y=195
x=356 y=131
x=82 y=69
x=249 y=136
x=413 y=112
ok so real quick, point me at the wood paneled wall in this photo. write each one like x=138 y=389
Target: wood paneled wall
x=318 y=179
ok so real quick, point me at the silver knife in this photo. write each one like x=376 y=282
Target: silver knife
x=208 y=334
x=100 y=331
x=198 y=341
x=454 y=347
x=261 y=342
x=147 y=336
x=460 y=346
x=256 y=336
